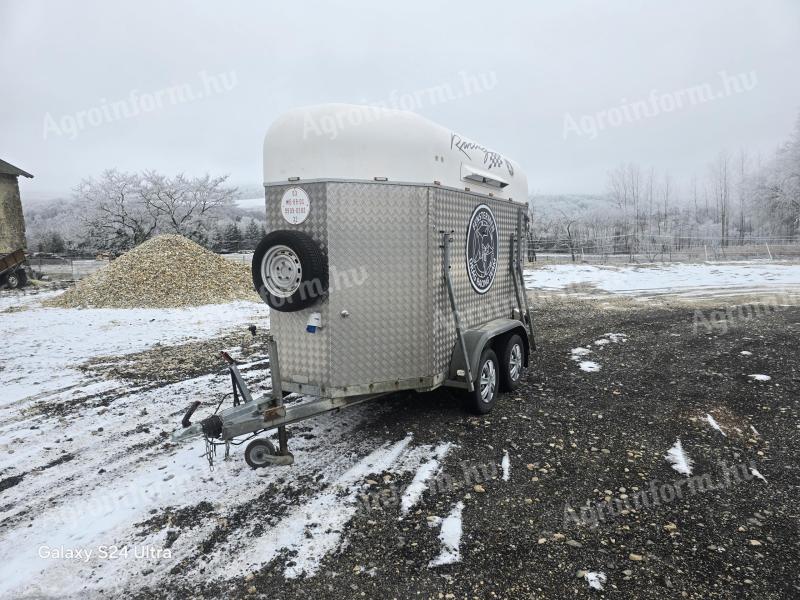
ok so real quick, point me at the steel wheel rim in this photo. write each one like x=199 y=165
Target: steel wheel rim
x=515 y=362
x=259 y=455
x=281 y=271
x=488 y=381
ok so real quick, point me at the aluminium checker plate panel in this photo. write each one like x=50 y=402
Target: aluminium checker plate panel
x=451 y=210
x=379 y=259
x=305 y=357
x=383 y=242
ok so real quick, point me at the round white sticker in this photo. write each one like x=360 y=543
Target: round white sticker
x=295 y=205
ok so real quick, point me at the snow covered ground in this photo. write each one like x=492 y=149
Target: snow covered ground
x=84 y=464
x=680 y=279
x=87 y=475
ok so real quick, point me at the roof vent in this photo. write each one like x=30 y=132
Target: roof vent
x=470 y=173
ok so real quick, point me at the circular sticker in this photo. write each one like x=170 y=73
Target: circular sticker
x=482 y=249
x=295 y=205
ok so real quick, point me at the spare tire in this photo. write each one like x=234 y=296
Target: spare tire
x=290 y=271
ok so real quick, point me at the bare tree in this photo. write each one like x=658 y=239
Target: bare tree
x=125 y=209
x=115 y=211
x=183 y=204
x=720 y=177
x=741 y=187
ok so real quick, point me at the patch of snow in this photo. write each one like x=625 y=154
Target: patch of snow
x=755 y=431
x=64 y=338
x=595 y=579
x=506 y=465
x=759 y=377
x=679 y=278
x=578 y=352
x=450 y=538
x=313 y=529
x=602 y=342
x=589 y=366
x=746 y=353
x=617 y=337
x=755 y=472
x=714 y=424
x=426 y=471
x=678 y=459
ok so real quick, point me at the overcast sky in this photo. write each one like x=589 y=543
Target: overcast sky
x=552 y=81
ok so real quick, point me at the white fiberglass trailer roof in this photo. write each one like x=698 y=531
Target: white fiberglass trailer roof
x=346 y=141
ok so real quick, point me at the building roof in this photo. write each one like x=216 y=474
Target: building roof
x=9 y=169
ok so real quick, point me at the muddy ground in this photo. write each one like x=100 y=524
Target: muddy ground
x=574 y=439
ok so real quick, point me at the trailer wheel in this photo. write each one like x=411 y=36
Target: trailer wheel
x=487 y=382
x=513 y=362
x=12 y=281
x=290 y=271
x=256 y=453
x=23 y=278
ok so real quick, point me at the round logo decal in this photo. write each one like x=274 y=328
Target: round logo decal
x=482 y=249
x=295 y=205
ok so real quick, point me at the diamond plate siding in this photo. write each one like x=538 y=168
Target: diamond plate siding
x=385 y=262
x=305 y=357
x=451 y=210
x=380 y=263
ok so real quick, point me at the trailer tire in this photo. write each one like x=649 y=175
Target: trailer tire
x=290 y=271
x=256 y=451
x=23 y=278
x=512 y=364
x=482 y=399
x=12 y=281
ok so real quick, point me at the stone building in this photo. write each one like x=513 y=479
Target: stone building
x=12 y=223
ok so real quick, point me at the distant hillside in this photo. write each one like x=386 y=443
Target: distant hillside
x=572 y=205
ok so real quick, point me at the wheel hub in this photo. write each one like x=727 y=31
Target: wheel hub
x=281 y=271
x=259 y=455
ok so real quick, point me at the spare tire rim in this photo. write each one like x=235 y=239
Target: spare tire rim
x=488 y=381
x=281 y=271
x=515 y=362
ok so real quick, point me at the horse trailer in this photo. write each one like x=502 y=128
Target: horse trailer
x=392 y=261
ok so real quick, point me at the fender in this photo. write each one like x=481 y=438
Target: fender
x=477 y=339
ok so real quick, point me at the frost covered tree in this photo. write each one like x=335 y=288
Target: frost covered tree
x=116 y=215
x=185 y=205
x=122 y=210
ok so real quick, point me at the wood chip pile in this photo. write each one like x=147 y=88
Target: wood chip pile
x=164 y=272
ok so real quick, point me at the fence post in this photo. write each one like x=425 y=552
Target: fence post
x=705 y=247
x=768 y=250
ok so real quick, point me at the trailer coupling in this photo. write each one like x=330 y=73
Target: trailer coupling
x=210 y=427
x=251 y=416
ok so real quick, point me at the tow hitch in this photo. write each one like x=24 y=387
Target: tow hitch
x=250 y=417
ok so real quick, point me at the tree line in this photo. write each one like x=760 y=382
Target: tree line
x=738 y=200
x=117 y=211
